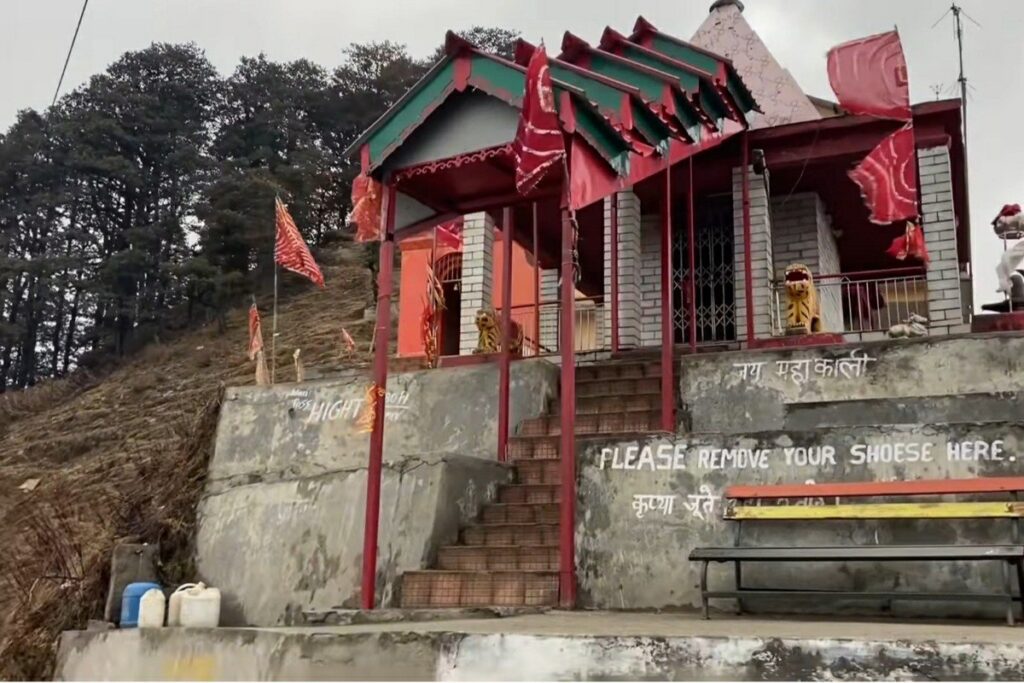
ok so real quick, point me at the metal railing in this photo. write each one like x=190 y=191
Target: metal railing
x=864 y=301
x=542 y=326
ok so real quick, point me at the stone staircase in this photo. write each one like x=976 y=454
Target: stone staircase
x=509 y=557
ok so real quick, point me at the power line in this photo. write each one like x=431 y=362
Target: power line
x=67 y=59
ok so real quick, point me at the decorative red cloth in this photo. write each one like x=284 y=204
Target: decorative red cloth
x=290 y=250
x=869 y=76
x=255 y=332
x=887 y=178
x=450 y=234
x=1007 y=211
x=538 y=146
x=366 y=208
x=911 y=244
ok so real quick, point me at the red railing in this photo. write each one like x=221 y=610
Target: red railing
x=861 y=301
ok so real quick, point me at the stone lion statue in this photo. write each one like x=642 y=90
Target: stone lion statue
x=803 y=309
x=489 y=333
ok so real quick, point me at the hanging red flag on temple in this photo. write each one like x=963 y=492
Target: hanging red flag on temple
x=869 y=76
x=910 y=245
x=450 y=234
x=538 y=146
x=366 y=208
x=290 y=250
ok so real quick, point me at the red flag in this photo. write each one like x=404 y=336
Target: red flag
x=348 y=341
x=910 y=244
x=888 y=178
x=366 y=208
x=869 y=76
x=255 y=332
x=450 y=234
x=538 y=146
x=290 y=250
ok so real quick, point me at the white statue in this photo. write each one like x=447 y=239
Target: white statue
x=914 y=326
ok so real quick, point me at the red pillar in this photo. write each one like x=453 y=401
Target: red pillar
x=506 y=332
x=380 y=381
x=692 y=234
x=748 y=281
x=614 y=245
x=667 y=337
x=567 y=521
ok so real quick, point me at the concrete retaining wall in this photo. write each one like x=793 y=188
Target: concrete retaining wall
x=749 y=391
x=453 y=655
x=643 y=505
x=281 y=520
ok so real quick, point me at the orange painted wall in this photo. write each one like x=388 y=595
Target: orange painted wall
x=413 y=287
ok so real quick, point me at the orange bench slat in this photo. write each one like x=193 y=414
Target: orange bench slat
x=866 y=489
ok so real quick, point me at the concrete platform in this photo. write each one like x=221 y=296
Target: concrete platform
x=557 y=646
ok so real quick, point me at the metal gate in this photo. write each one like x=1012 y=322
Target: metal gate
x=714 y=278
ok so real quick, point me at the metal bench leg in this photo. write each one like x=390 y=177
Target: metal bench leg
x=738 y=571
x=1019 y=566
x=704 y=589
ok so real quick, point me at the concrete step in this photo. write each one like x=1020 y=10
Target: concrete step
x=539 y=471
x=520 y=513
x=621 y=422
x=498 y=557
x=590 y=405
x=440 y=588
x=510 y=534
x=530 y=493
x=522 y=448
x=617 y=387
x=972 y=408
x=608 y=371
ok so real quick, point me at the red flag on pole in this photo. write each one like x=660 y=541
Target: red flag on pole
x=450 y=234
x=869 y=76
x=255 y=332
x=538 y=145
x=366 y=208
x=887 y=178
x=909 y=244
x=290 y=250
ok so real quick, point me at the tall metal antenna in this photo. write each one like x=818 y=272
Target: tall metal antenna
x=958 y=26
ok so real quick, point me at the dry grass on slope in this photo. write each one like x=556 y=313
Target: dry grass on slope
x=124 y=457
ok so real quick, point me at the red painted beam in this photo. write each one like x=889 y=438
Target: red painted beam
x=567 y=451
x=667 y=321
x=380 y=382
x=614 y=246
x=506 y=333
x=924 y=487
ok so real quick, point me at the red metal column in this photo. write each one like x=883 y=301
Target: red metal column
x=506 y=332
x=567 y=521
x=614 y=245
x=748 y=282
x=536 y=282
x=668 y=416
x=380 y=381
x=692 y=288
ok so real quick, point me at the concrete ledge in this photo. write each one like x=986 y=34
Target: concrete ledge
x=556 y=646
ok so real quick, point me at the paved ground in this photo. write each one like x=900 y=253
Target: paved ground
x=592 y=623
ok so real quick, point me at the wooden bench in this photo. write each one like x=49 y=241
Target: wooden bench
x=744 y=505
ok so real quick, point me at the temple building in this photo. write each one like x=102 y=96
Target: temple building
x=653 y=241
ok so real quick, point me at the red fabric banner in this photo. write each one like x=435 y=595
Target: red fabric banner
x=366 y=208
x=255 y=332
x=869 y=76
x=450 y=234
x=887 y=178
x=290 y=250
x=538 y=146
x=910 y=244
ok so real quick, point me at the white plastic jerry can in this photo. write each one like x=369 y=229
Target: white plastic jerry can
x=199 y=607
x=174 y=604
x=151 y=609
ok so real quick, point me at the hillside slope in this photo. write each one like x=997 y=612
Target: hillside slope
x=113 y=454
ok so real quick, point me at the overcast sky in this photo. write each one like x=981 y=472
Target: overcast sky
x=799 y=32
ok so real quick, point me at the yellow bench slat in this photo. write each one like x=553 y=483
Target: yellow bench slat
x=933 y=510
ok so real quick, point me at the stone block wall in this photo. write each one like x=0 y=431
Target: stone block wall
x=630 y=277
x=945 y=307
x=650 y=279
x=761 y=255
x=477 y=275
x=802 y=233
